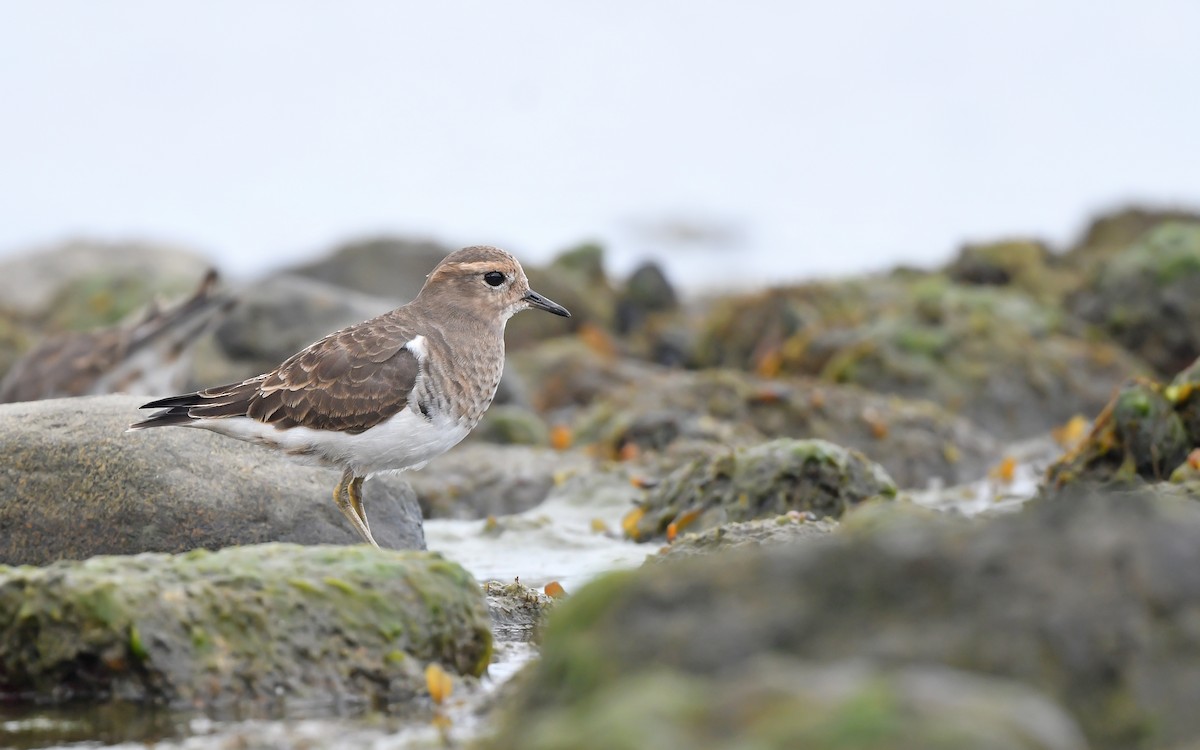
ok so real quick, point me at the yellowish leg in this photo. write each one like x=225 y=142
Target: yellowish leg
x=341 y=499
x=355 y=495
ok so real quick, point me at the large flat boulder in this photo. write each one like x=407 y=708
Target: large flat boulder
x=74 y=483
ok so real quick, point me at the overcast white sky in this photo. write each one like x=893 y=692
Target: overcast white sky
x=802 y=137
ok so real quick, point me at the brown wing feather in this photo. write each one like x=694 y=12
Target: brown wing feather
x=349 y=381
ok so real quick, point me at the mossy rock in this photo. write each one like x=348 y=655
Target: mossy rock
x=1024 y=264
x=791 y=528
x=1184 y=392
x=269 y=624
x=1012 y=363
x=1111 y=233
x=86 y=284
x=788 y=703
x=1147 y=297
x=646 y=292
x=1137 y=437
x=106 y=299
x=518 y=612
x=1091 y=603
x=564 y=374
x=762 y=481
x=915 y=441
x=509 y=424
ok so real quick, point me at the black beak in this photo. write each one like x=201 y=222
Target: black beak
x=536 y=300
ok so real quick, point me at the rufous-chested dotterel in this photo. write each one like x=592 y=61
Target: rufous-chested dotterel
x=387 y=394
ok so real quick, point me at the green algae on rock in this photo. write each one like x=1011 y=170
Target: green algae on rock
x=510 y=424
x=1094 y=604
x=999 y=356
x=1112 y=232
x=1147 y=297
x=1025 y=264
x=268 y=624
x=1138 y=437
x=915 y=441
x=764 y=480
x=789 y=703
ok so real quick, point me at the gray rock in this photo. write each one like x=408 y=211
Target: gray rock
x=646 y=291
x=760 y=481
x=272 y=624
x=1111 y=233
x=1147 y=297
x=74 y=484
x=477 y=480
x=517 y=611
x=786 y=529
x=510 y=424
x=781 y=702
x=387 y=267
x=915 y=441
x=281 y=315
x=576 y=280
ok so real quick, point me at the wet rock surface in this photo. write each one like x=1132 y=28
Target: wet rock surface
x=1092 y=604
x=1149 y=432
x=792 y=528
x=266 y=624
x=518 y=612
x=762 y=481
x=74 y=484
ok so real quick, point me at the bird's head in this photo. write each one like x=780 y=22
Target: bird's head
x=485 y=281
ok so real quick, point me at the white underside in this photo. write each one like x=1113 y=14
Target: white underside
x=405 y=441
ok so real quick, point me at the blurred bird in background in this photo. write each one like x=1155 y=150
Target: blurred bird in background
x=150 y=355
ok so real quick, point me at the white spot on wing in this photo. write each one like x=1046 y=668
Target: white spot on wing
x=418 y=348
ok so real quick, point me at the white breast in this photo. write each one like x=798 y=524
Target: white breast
x=404 y=441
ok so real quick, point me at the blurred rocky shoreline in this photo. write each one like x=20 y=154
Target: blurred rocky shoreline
x=779 y=452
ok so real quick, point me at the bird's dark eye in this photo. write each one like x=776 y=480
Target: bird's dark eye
x=494 y=278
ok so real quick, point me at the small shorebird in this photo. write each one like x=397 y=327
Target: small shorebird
x=387 y=394
x=149 y=356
